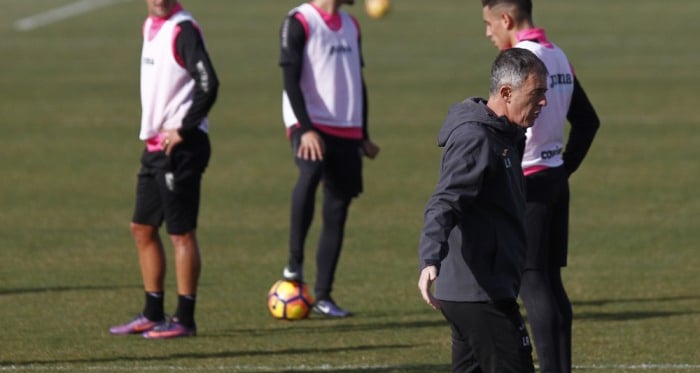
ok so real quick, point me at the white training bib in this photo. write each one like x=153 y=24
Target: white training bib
x=331 y=78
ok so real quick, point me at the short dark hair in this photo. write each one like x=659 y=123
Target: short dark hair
x=513 y=66
x=523 y=8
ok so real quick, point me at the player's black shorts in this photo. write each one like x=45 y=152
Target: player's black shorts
x=168 y=188
x=547 y=219
x=342 y=163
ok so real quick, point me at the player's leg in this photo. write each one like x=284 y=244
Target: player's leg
x=559 y=243
x=535 y=289
x=148 y=215
x=188 y=265
x=180 y=189
x=543 y=317
x=335 y=212
x=301 y=213
x=565 y=318
x=151 y=261
x=342 y=181
x=181 y=214
x=550 y=317
x=151 y=256
x=188 y=269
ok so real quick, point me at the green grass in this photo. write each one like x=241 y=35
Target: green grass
x=70 y=114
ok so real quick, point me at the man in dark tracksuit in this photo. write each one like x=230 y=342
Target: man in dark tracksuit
x=473 y=240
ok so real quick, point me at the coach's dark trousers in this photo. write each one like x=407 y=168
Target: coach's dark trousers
x=488 y=337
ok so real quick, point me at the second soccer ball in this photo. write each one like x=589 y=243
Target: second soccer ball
x=377 y=8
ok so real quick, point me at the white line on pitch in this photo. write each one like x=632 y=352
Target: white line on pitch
x=62 y=13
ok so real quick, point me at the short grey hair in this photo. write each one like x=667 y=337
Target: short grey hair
x=513 y=66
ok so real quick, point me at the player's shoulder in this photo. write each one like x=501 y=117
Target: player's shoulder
x=181 y=16
x=188 y=30
x=188 y=24
x=355 y=22
x=300 y=13
x=295 y=26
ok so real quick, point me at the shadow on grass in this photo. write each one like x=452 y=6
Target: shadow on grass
x=628 y=315
x=633 y=314
x=329 y=326
x=603 y=302
x=59 y=289
x=235 y=354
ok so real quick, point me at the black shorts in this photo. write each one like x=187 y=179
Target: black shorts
x=342 y=163
x=168 y=188
x=488 y=337
x=547 y=219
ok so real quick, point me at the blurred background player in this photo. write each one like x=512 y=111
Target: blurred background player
x=325 y=113
x=178 y=88
x=547 y=165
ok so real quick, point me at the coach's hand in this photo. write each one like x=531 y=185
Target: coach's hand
x=425 y=282
x=310 y=146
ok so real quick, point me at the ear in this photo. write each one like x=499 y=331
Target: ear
x=507 y=20
x=505 y=92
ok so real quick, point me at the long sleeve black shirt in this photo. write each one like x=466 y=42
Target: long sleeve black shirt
x=192 y=53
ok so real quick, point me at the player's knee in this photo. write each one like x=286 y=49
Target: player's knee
x=184 y=240
x=142 y=232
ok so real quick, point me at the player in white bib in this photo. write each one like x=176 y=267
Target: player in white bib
x=324 y=106
x=547 y=164
x=178 y=88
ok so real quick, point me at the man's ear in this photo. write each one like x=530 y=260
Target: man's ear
x=505 y=92
x=507 y=20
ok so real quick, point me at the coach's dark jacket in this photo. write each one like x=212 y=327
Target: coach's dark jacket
x=473 y=230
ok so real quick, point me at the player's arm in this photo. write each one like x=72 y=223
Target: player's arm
x=365 y=99
x=365 y=111
x=369 y=148
x=192 y=54
x=584 y=125
x=292 y=41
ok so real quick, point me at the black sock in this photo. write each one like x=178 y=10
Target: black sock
x=185 y=309
x=154 y=306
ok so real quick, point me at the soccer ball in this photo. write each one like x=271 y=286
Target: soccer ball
x=289 y=300
x=377 y=8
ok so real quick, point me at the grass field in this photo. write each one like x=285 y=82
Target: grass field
x=70 y=114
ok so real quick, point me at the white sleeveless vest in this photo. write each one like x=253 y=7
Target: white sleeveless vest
x=545 y=140
x=166 y=87
x=331 y=79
